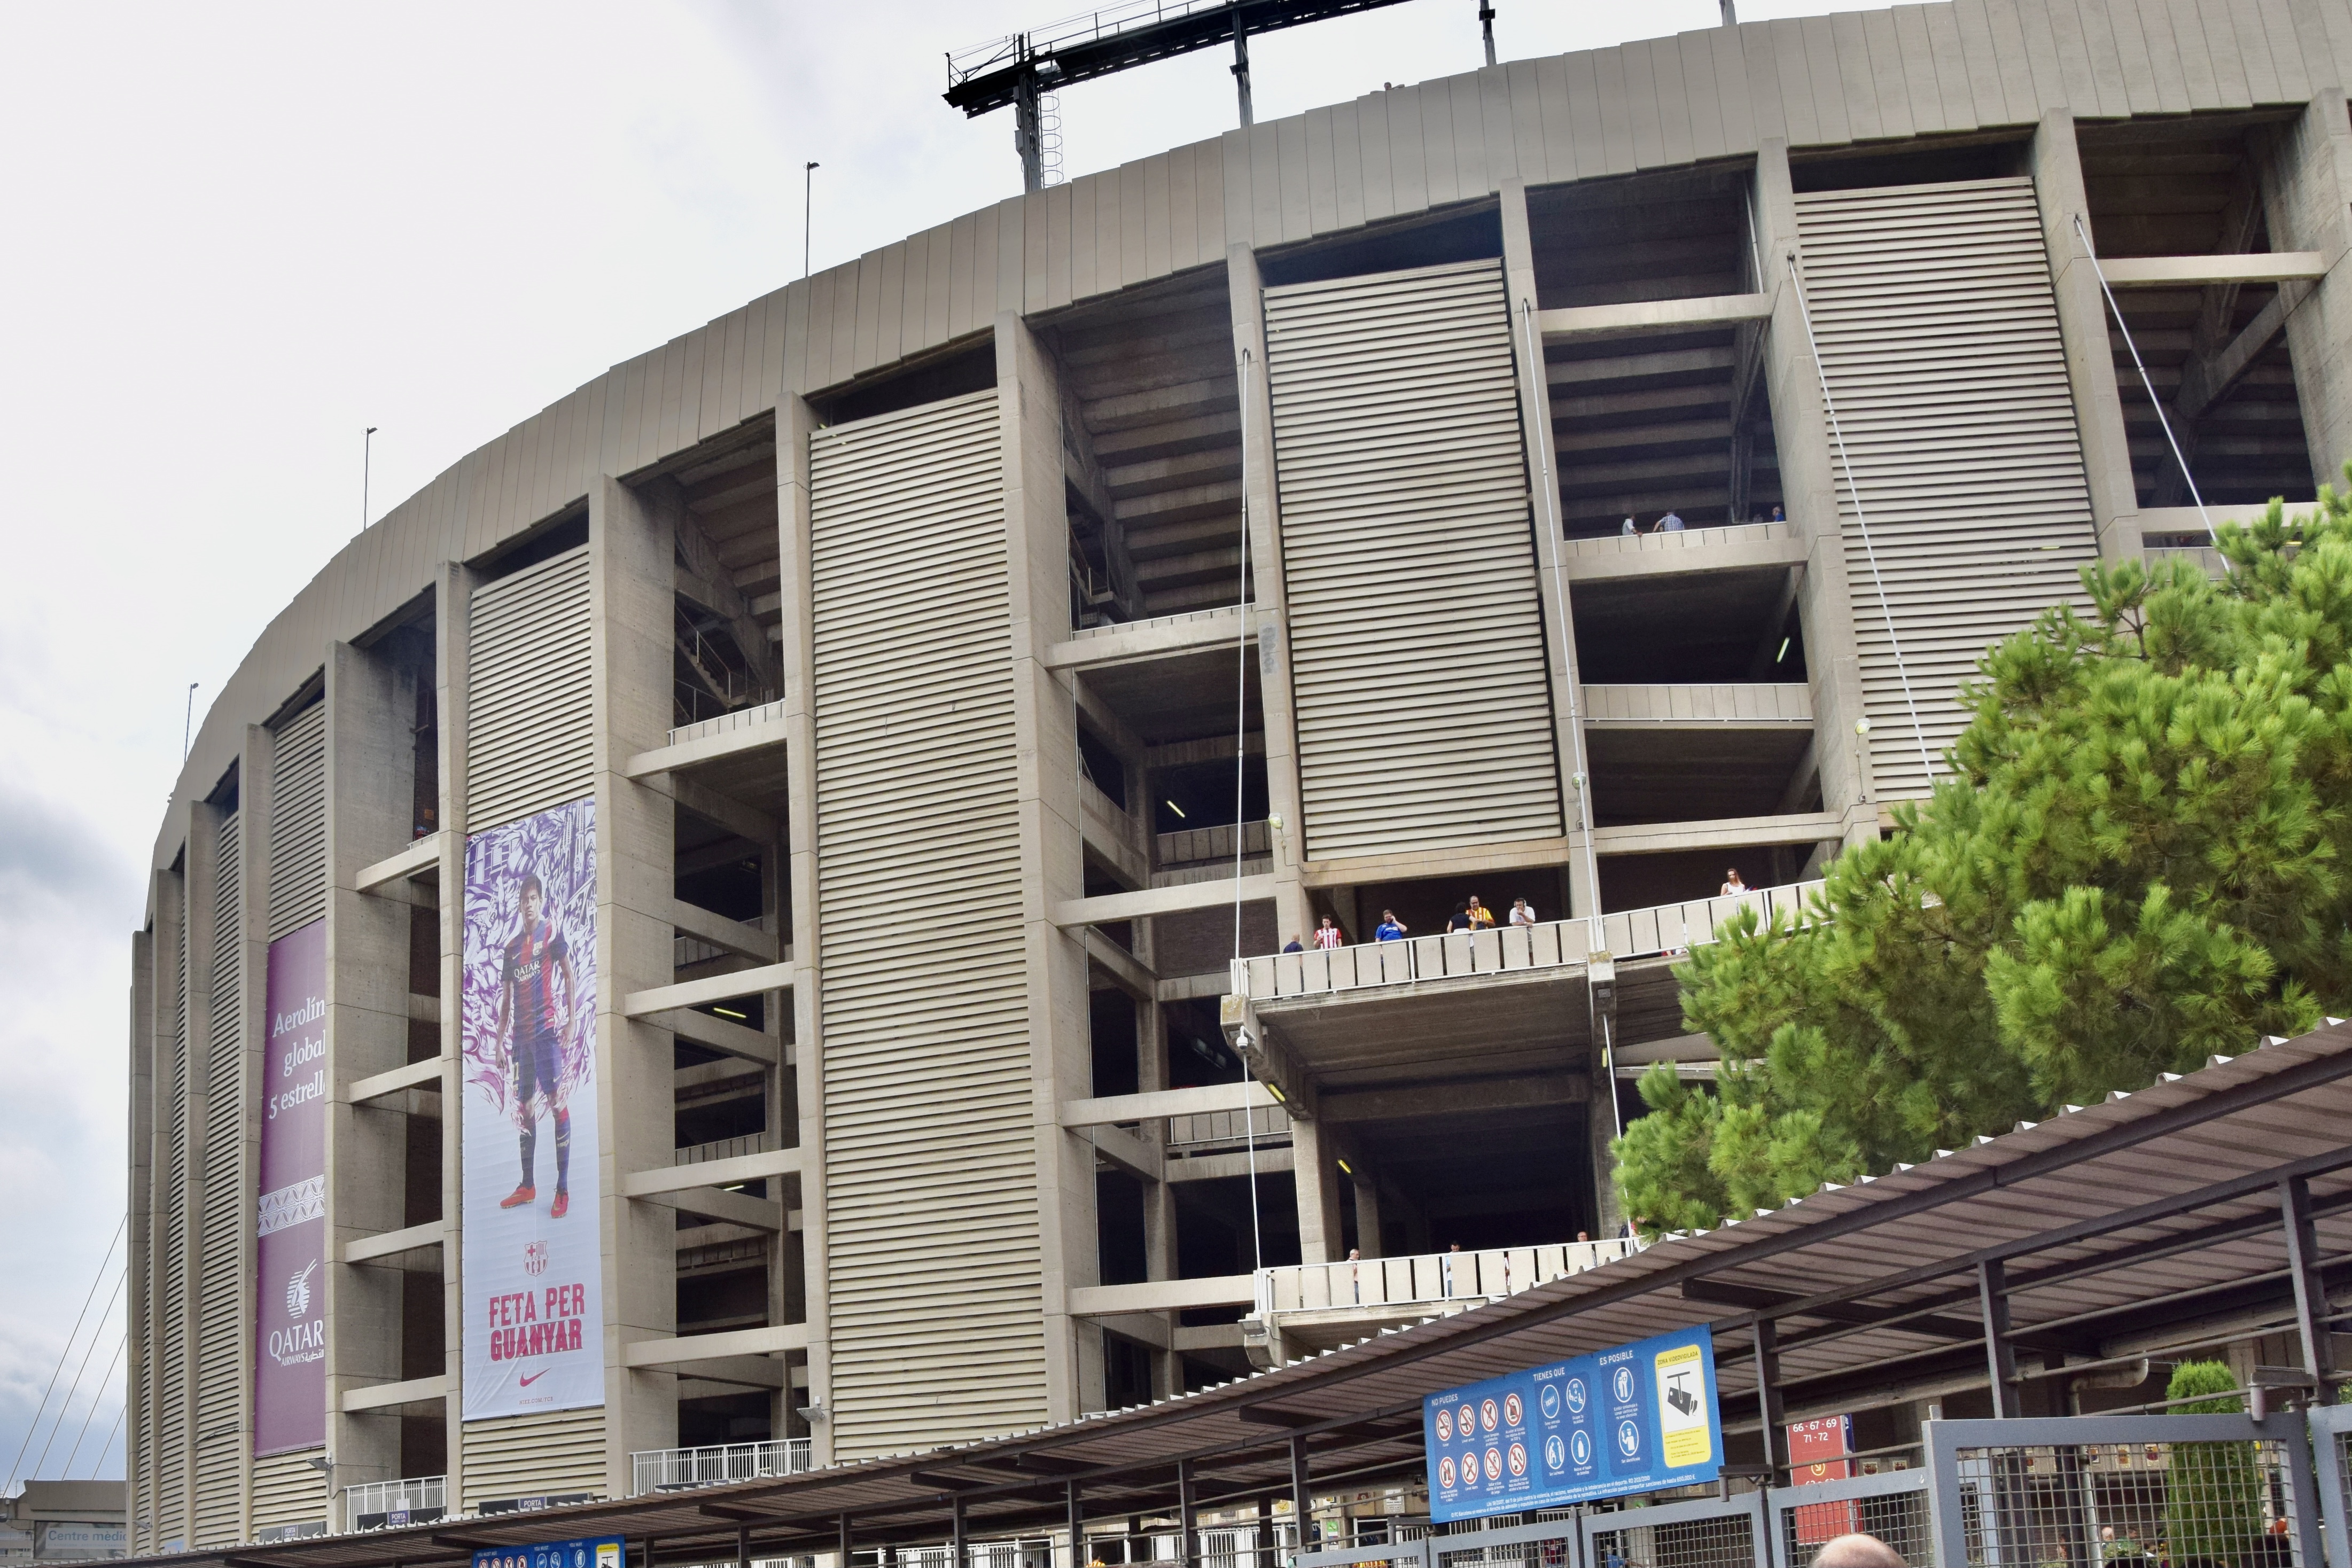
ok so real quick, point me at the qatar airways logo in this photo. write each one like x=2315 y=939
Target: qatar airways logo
x=306 y=1339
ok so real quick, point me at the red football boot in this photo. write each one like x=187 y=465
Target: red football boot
x=561 y=1207
x=519 y=1197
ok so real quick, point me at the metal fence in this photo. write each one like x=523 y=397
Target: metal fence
x=2116 y=1491
x=1891 y=1505
x=1709 y=1532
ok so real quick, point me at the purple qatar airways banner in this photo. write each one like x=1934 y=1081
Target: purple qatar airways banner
x=531 y=1258
x=289 y=1365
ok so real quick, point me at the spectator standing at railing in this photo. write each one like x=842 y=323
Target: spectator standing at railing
x=1390 y=929
x=1732 y=886
x=1672 y=523
x=1327 y=937
x=1522 y=913
x=1629 y=529
x=1293 y=946
x=1460 y=919
x=1481 y=918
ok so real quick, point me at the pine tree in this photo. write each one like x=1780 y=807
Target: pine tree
x=2212 y=1491
x=2137 y=861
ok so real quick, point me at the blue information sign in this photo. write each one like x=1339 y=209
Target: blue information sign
x=1636 y=1418
x=601 y=1552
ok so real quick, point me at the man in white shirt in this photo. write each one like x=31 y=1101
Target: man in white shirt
x=1521 y=915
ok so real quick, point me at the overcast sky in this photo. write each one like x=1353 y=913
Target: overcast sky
x=237 y=234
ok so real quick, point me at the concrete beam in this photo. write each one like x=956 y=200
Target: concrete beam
x=379 y=1395
x=391 y=1243
x=1518 y=856
x=726 y=812
x=734 y=936
x=418 y=857
x=1213 y=1167
x=710 y=988
x=764 y=1215
x=1115 y=906
x=2205 y=378
x=711 y=1173
x=1156 y=639
x=1650 y=316
x=1732 y=832
x=416 y=1075
x=755 y=737
x=1441 y=1099
x=691 y=1349
x=1124 y=970
x=2172 y=271
x=718 y=1034
x=1125 y=1150
x=1158 y=1102
x=740 y=1371
x=1212 y=1336
x=1163 y=1295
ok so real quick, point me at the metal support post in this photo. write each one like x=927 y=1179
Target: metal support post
x=1263 y=1557
x=1767 y=1394
x=957 y=1557
x=2311 y=1310
x=742 y=1546
x=2000 y=1359
x=1302 y=1499
x=1029 y=132
x=845 y=1540
x=1486 y=27
x=1075 y=1517
x=1240 y=68
x=1188 y=1513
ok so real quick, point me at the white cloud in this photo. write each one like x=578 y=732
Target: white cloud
x=240 y=234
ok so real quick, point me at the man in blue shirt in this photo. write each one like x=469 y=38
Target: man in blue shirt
x=1390 y=929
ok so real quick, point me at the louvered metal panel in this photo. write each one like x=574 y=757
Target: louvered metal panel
x=530 y=713
x=1416 y=620
x=173 y=1298
x=930 y=1173
x=287 y=1489
x=534 y=1456
x=221 y=1334
x=1938 y=332
x=298 y=822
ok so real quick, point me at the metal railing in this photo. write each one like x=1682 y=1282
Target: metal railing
x=1430 y=1278
x=1666 y=928
x=680 y=1469
x=1120 y=627
x=1681 y=538
x=414 y=1495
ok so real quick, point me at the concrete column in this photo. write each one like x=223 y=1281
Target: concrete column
x=1315 y=1174
x=1369 y=1240
x=1543 y=480
x=252 y=807
x=202 y=887
x=167 y=1517
x=1270 y=621
x=371 y=763
x=139 y=1305
x=795 y=422
x=1045 y=735
x=2083 y=327
x=631 y=607
x=452 y=602
x=1810 y=490
x=2306 y=179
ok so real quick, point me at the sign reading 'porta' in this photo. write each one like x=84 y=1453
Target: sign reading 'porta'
x=1637 y=1418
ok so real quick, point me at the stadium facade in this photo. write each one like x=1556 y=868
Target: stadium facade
x=704 y=941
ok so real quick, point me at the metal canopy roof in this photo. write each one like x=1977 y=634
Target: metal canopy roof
x=2112 y=1221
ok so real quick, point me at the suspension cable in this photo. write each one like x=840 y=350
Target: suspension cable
x=1240 y=760
x=65 y=1349
x=103 y=1379
x=2154 y=401
x=1862 y=520
x=65 y=1408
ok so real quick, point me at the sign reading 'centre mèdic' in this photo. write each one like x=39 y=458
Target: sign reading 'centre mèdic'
x=1636 y=1418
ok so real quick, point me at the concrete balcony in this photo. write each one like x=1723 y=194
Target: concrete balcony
x=1514 y=1003
x=1733 y=705
x=682 y=1469
x=1742 y=548
x=714 y=739
x=1319 y=1306
x=392 y=1505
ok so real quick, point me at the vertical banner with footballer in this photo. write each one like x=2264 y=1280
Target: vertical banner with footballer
x=531 y=1255
x=289 y=1364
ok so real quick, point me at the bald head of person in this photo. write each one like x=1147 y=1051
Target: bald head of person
x=1858 y=1551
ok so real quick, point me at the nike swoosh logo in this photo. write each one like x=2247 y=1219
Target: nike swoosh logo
x=534 y=1377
